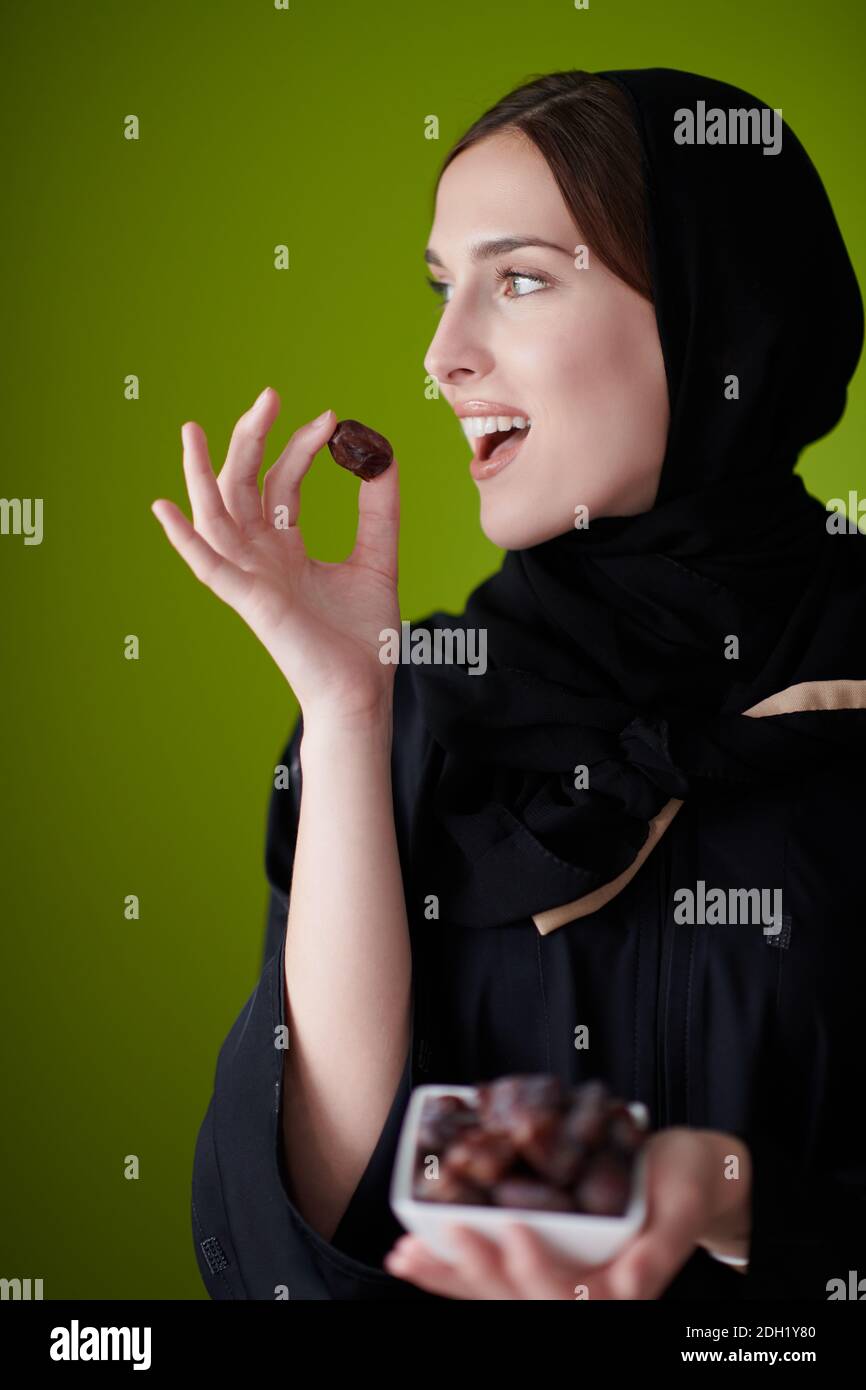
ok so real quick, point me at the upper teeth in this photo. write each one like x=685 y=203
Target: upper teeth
x=473 y=425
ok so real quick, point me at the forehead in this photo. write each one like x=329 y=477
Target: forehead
x=501 y=185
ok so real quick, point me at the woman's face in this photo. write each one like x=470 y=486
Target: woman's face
x=574 y=351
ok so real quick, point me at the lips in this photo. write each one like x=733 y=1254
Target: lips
x=489 y=424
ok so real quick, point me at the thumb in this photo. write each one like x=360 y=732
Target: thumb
x=651 y=1262
x=377 y=537
x=677 y=1202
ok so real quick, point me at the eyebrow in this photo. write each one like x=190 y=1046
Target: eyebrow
x=486 y=250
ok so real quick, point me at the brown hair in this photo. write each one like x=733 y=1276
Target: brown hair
x=583 y=126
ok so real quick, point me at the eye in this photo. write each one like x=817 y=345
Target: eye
x=439 y=287
x=509 y=273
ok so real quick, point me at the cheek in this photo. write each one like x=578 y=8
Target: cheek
x=606 y=371
x=572 y=363
x=543 y=357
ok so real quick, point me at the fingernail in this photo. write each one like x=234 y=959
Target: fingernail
x=320 y=419
x=260 y=397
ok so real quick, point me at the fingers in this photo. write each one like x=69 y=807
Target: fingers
x=535 y=1268
x=221 y=576
x=480 y=1265
x=238 y=477
x=524 y=1266
x=410 y=1259
x=377 y=538
x=282 y=488
x=209 y=515
x=475 y=1273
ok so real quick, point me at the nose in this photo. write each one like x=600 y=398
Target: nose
x=457 y=354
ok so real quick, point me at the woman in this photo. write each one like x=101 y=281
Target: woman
x=544 y=865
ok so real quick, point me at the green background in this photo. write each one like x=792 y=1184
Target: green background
x=155 y=257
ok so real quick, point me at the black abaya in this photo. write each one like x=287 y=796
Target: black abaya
x=718 y=1026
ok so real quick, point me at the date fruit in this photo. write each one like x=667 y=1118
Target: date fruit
x=530 y=1142
x=361 y=450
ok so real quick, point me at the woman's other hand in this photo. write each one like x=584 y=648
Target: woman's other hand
x=320 y=621
x=690 y=1202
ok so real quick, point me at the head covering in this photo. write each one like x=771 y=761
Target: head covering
x=606 y=646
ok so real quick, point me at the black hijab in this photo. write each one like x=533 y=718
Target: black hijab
x=606 y=646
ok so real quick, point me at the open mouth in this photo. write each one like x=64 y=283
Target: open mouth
x=487 y=443
x=491 y=444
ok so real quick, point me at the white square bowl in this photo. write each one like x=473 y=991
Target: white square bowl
x=587 y=1239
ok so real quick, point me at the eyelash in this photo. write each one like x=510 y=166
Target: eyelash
x=508 y=273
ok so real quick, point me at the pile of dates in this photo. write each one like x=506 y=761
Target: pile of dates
x=530 y=1142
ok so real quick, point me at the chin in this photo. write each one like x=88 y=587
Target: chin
x=515 y=527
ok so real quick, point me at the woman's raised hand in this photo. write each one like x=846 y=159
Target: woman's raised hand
x=320 y=621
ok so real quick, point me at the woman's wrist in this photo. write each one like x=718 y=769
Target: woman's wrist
x=369 y=725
